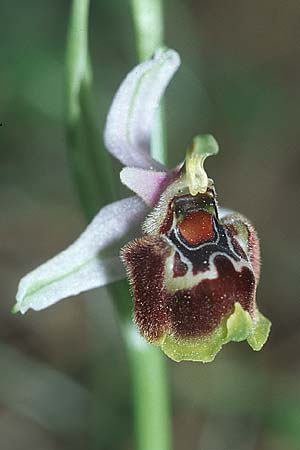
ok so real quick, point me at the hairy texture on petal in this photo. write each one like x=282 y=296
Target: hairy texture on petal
x=147 y=184
x=127 y=133
x=144 y=259
x=89 y=262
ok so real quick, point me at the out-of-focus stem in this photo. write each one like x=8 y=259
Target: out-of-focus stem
x=149 y=26
x=90 y=168
x=92 y=176
x=90 y=164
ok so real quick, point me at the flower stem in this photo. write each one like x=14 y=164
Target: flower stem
x=148 y=24
x=152 y=409
x=90 y=168
x=149 y=382
x=150 y=393
x=90 y=165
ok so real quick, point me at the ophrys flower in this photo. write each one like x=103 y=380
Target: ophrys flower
x=195 y=270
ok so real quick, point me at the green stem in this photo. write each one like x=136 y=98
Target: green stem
x=152 y=409
x=149 y=382
x=90 y=164
x=91 y=171
x=150 y=393
x=148 y=25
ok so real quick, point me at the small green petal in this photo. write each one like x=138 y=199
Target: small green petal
x=260 y=332
x=202 y=349
x=239 y=324
x=237 y=327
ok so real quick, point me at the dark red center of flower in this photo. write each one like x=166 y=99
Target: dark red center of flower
x=197 y=227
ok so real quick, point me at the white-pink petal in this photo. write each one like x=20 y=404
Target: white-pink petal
x=147 y=184
x=91 y=261
x=129 y=123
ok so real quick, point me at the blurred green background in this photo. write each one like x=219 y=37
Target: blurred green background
x=239 y=80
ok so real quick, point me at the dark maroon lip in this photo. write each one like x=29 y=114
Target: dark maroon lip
x=199 y=310
x=187 y=313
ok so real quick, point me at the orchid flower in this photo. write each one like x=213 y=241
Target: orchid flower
x=195 y=269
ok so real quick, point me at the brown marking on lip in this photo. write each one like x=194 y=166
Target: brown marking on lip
x=179 y=267
x=198 y=311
